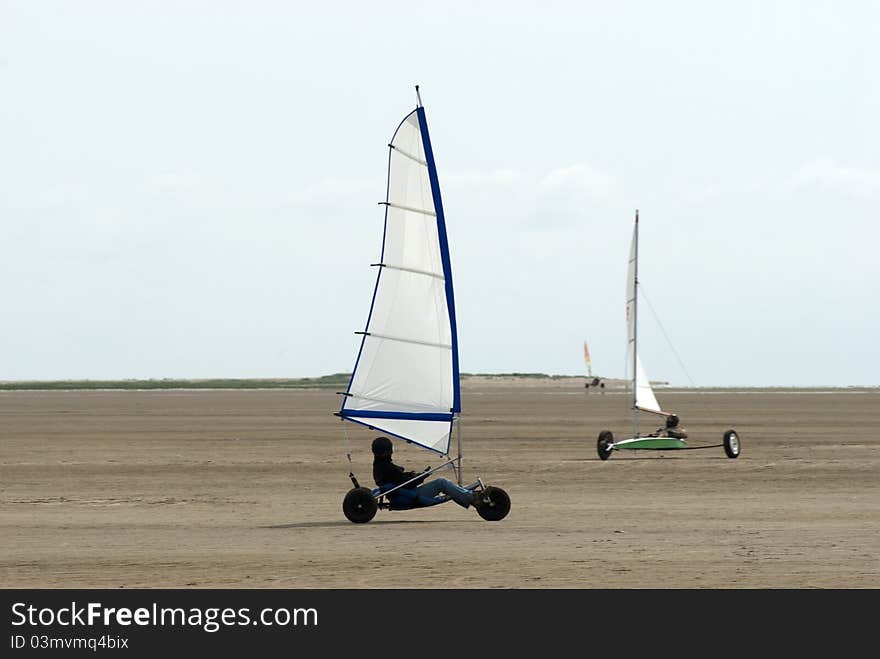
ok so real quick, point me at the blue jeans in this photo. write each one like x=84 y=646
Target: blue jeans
x=445 y=486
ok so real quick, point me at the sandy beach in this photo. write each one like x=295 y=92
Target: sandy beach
x=244 y=489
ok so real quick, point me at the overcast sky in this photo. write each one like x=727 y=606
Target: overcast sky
x=189 y=188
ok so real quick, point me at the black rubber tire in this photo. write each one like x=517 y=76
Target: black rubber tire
x=732 y=444
x=492 y=504
x=606 y=437
x=359 y=505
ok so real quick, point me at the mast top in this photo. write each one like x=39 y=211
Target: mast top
x=637 y=210
x=418 y=97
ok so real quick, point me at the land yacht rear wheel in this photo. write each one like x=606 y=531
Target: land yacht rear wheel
x=731 y=444
x=359 y=505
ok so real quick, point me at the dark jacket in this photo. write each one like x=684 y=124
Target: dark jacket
x=386 y=472
x=676 y=433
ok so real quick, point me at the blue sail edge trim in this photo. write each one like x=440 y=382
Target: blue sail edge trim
x=373 y=426
x=407 y=416
x=444 y=253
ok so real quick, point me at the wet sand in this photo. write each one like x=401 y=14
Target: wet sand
x=244 y=489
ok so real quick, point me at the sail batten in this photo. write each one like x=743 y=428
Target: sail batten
x=406 y=379
x=385 y=402
x=406 y=340
x=411 y=209
x=409 y=155
x=412 y=270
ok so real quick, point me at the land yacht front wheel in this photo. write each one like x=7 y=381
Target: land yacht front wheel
x=492 y=503
x=603 y=445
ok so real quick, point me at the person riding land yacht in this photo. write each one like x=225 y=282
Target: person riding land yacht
x=671 y=429
x=385 y=472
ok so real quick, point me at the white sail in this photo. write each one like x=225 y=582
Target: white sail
x=643 y=396
x=631 y=296
x=405 y=381
x=645 y=399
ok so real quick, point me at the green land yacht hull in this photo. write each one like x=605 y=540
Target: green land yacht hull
x=656 y=443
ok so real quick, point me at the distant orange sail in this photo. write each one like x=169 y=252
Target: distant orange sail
x=587 y=360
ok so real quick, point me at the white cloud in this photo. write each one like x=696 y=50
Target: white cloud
x=577 y=180
x=180 y=180
x=221 y=194
x=843 y=179
x=333 y=189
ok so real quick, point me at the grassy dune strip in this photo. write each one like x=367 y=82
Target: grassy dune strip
x=337 y=380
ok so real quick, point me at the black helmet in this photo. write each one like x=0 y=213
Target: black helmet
x=671 y=421
x=382 y=446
